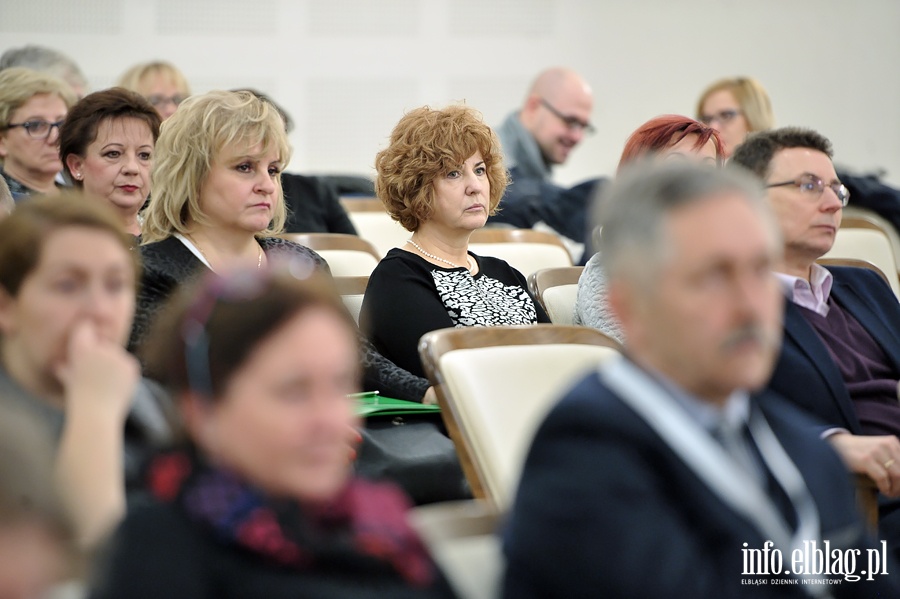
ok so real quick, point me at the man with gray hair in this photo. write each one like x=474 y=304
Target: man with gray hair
x=663 y=473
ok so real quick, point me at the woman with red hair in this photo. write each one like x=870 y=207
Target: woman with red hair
x=666 y=137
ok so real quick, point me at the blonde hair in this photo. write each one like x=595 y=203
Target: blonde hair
x=137 y=77
x=750 y=95
x=7 y=204
x=191 y=140
x=426 y=144
x=18 y=85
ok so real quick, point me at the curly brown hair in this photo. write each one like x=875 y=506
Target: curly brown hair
x=426 y=144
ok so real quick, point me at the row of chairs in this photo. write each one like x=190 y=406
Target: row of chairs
x=526 y=250
x=495 y=386
x=863 y=236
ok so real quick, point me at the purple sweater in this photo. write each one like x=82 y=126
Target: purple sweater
x=865 y=368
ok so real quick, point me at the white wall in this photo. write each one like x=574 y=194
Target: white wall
x=347 y=69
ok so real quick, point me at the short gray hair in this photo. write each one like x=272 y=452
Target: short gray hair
x=45 y=60
x=634 y=209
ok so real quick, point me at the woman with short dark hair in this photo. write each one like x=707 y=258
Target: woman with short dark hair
x=67 y=289
x=106 y=145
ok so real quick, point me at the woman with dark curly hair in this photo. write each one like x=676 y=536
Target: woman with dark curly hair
x=441 y=177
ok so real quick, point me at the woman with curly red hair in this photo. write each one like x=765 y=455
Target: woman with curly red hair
x=440 y=177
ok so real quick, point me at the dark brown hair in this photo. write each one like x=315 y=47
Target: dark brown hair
x=84 y=119
x=24 y=232
x=237 y=313
x=757 y=151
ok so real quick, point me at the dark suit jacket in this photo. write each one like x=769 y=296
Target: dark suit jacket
x=606 y=509
x=805 y=373
x=313 y=206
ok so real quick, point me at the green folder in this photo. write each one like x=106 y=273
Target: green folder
x=373 y=404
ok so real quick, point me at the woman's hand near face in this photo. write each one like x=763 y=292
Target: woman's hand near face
x=99 y=375
x=99 y=378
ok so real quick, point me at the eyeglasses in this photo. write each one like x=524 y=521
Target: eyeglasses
x=813 y=186
x=723 y=116
x=572 y=122
x=239 y=286
x=36 y=129
x=158 y=100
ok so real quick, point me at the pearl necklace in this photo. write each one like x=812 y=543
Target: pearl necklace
x=470 y=266
x=202 y=253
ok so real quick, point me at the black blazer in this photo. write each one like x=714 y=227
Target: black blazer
x=168 y=264
x=605 y=508
x=805 y=373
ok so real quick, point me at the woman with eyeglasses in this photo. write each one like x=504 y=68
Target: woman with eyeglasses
x=735 y=107
x=217 y=203
x=738 y=106
x=32 y=107
x=161 y=83
x=107 y=145
x=668 y=137
x=67 y=289
x=440 y=177
x=260 y=501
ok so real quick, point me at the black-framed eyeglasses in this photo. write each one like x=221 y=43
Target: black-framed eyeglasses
x=572 y=122
x=723 y=116
x=813 y=186
x=242 y=285
x=39 y=129
x=158 y=100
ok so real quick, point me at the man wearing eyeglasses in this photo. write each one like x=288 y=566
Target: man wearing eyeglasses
x=553 y=120
x=840 y=358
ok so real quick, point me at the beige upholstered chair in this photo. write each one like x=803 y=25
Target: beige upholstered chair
x=496 y=384
x=462 y=538
x=866 y=236
x=374 y=224
x=525 y=249
x=556 y=289
x=346 y=255
x=863 y=218
x=352 y=290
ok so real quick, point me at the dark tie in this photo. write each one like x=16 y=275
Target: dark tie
x=738 y=442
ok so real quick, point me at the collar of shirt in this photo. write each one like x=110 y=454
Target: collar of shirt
x=813 y=294
x=735 y=412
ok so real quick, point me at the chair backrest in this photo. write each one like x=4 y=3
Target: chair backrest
x=352 y=290
x=374 y=224
x=870 y=245
x=347 y=255
x=855 y=263
x=462 y=538
x=863 y=218
x=526 y=250
x=496 y=384
x=557 y=290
